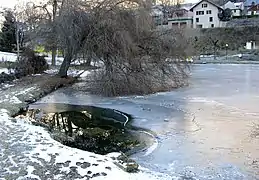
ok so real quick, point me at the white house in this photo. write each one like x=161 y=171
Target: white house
x=236 y=8
x=205 y=14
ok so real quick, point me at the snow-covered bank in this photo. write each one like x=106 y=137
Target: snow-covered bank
x=32 y=153
x=28 y=151
x=4 y=70
x=5 y=56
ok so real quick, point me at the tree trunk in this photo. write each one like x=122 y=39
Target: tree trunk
x=65 y=65
x=53 y=53
x=88 y=60
x=214 y=49
x=54 y=49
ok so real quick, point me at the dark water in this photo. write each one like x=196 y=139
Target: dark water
x=206 y=130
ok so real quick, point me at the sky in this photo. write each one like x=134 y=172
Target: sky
x=11 y=3
x=8 y=3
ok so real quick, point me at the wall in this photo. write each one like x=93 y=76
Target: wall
x=236 y=12
x=178 y=22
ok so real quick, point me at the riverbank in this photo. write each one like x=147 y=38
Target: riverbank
x=231 y=59
x=224 y=62
x=29 y=152
x=17 y=94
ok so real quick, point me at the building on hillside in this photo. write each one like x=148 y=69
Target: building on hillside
x=180 y=18
x=253 y=10
x=160 y=15
x=167 y=2
x=205 y=14
x=237 y=9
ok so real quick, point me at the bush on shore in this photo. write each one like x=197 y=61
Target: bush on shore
x=30 y=63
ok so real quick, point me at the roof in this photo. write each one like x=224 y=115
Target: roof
x=205 y=1
x=254 y=8
x=232 y=5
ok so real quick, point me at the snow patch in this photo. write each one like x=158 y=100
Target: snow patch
x=5 y=56
x=26 y=91
x=51 y=151
x=14 y=100
x=30 y=170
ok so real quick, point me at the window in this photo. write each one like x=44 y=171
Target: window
x=197 y=20
x=204 y=5
x=199 y=12
x=212 y=25
x=211 y=19
x=208 y=11
x=234 y=11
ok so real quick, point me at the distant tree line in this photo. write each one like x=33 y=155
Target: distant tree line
x=10 y=32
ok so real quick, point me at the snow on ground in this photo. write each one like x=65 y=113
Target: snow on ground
x=28 y=151
x=13 y=94
x=59 y=60
x=12 y=57
x=5 y=56
x=4 y=70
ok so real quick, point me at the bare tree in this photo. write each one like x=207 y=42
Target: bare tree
x=121 y=34
x=137 y=58
x=40 y=18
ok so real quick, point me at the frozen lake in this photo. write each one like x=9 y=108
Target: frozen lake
x=204 y=131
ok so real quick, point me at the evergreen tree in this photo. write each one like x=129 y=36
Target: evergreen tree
x=8 y=35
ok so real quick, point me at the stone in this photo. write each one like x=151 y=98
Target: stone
x=96 y=175
x=73 y=168
x=132 y=167
x=123 y=158
x=85 y=165
x=66 y=164
x=103 y=174
x=109 y=168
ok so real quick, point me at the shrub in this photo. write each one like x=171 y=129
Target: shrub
x=30 y=63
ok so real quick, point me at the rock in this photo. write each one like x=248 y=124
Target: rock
x=132 y=167
x=96 y=175
x=85 y=165
x=129 y=165
x=73 y=168
x=109 y=168
x=103 y=174
x=13 y=120
x=123 y=158
x=66 y=164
